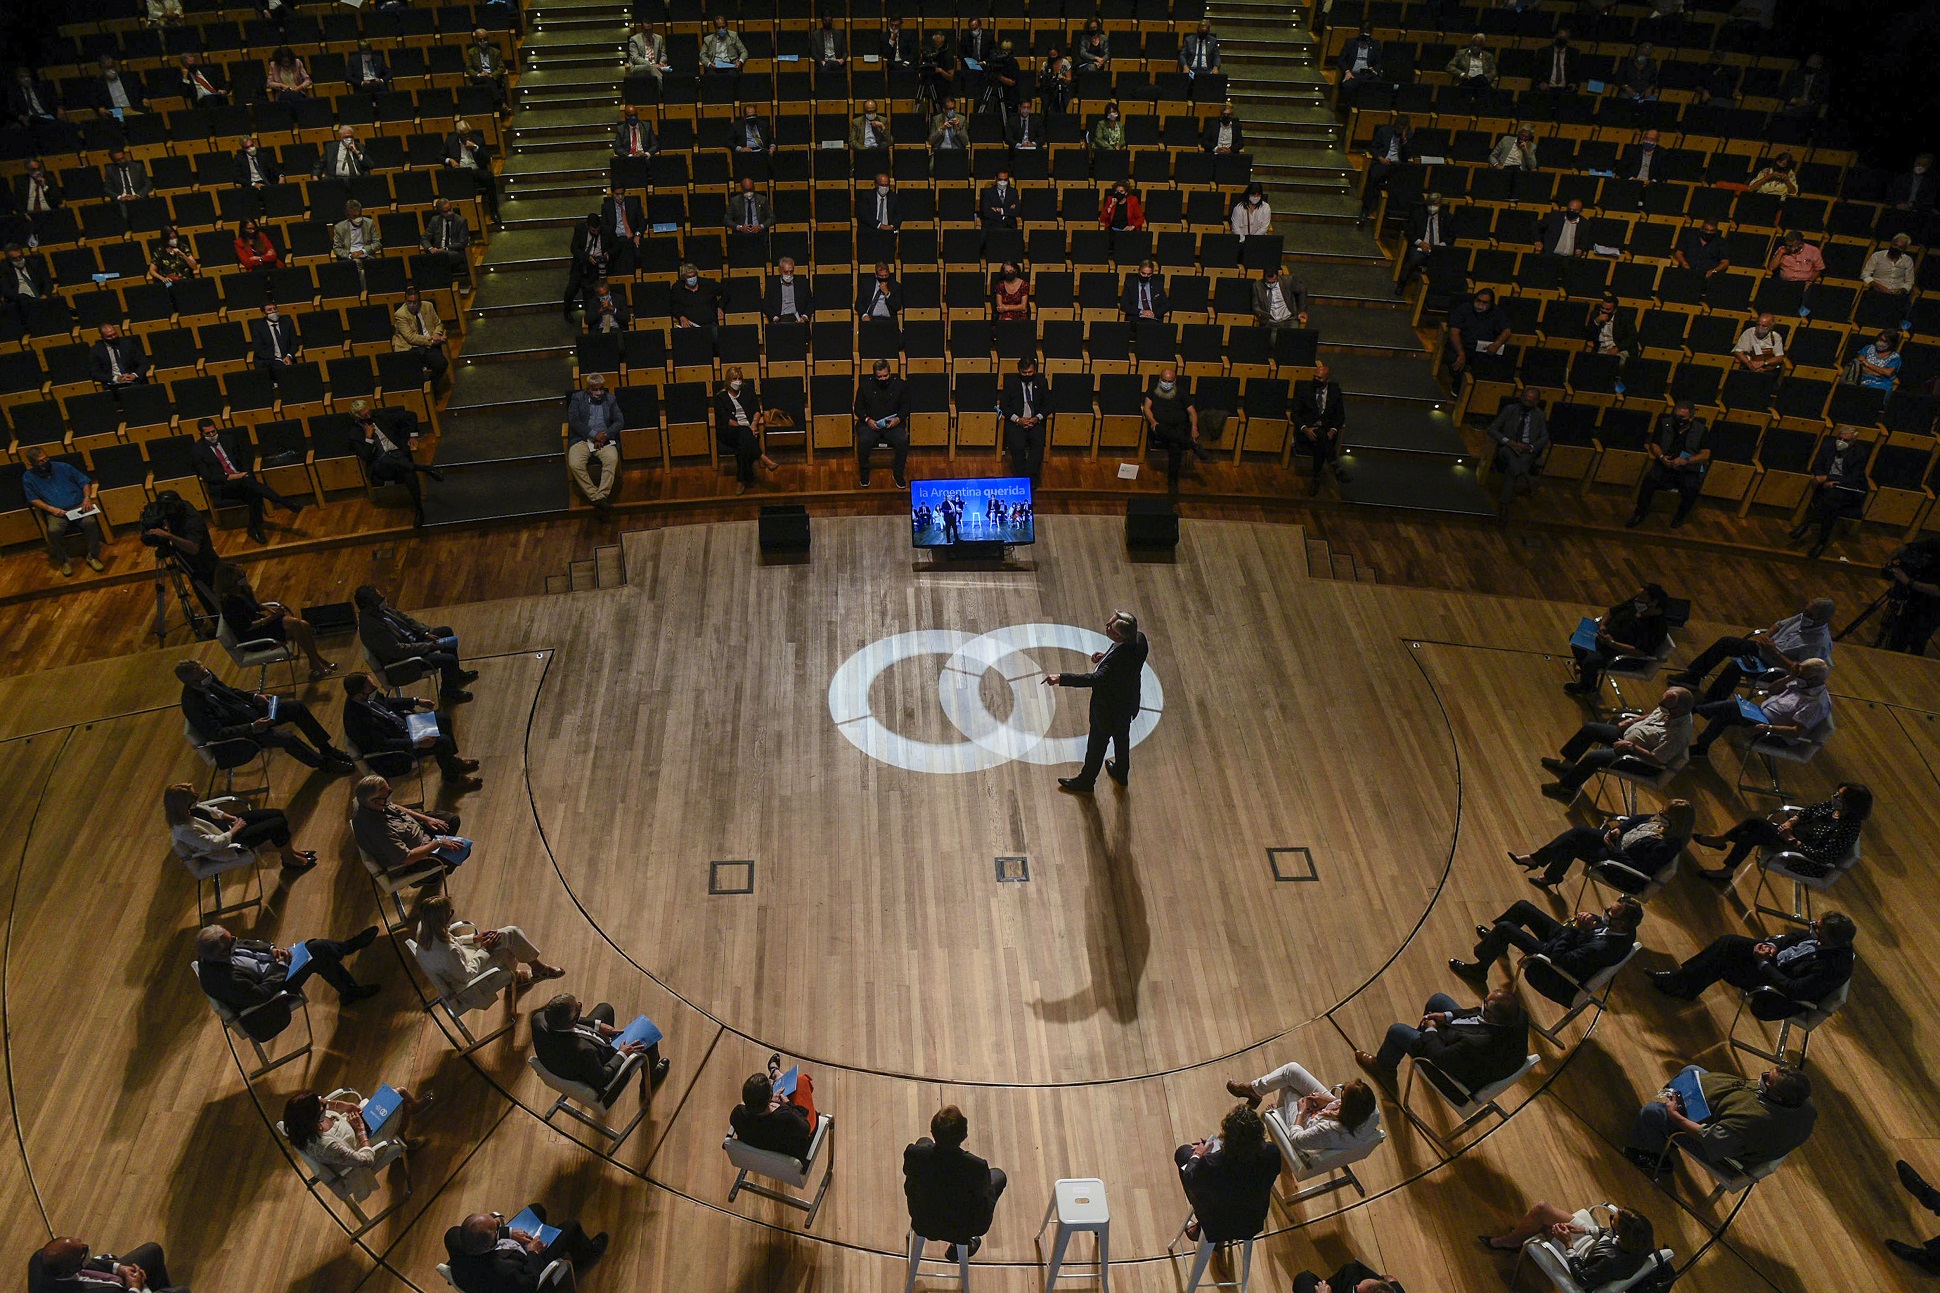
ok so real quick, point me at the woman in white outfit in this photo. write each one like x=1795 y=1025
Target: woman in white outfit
x=454 y=952
x=1318 y=1119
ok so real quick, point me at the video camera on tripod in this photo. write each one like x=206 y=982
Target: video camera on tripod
x=1907 y=615
x=167 y=523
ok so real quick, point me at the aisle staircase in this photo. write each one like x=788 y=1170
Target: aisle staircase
x=1401 y=447
x=501 y=448
x=606 y=568
x=1324 y=563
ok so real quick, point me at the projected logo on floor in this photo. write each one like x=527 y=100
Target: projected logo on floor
x=988 y=740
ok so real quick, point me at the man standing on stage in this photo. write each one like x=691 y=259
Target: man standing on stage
x=1114 y=687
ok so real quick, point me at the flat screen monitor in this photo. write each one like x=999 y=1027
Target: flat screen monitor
x=981 y=512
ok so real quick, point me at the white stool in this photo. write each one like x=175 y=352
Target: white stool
x=1079 y=1204
x=916 y=1259
x=1203 y=1258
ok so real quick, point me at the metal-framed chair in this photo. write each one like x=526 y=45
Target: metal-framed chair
x=224 y=757
x=1335 y=1169
x=1637 y=669
x=573 y=1095
x=1805 y=1021
x=1471 y=1109
x=1775 y=750
x=785 y=1169
x=233 y=1022
x=1595 y=992
x=1732 y=1176
x=1598 y=873
x=1553 y=1261
x=208 y=873
x=362 y=760
x=915 y=1244
x=393 y=885
x=399 y=674
x=1781 y=863
x=258 y=654
x=353 y=1187
x=482 y=992
x=1203 y=1255
x=554 y=1274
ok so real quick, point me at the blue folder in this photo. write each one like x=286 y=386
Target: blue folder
x=453 y=849
x=1585 y=635
x=1751 y=712
x=379 y=1108
x=530 y=1223
x=1696 y=1107
x=299 y=957
x=785 y=1084
x=642 y=1030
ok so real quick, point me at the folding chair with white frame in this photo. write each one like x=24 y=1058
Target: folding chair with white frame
x=1553 y=1259
x=785 y=1169
x=575 y=1095
x=555 y=1274
x=224 y=757
x=1636 y=669
x=1775 y=750
x=399 y=674
x=1782 y=863
x=258 y=654
x=392 y=885
x=353 y=1187
x=363 y=760
x=1336 y=1168
x=208 y=873
x=1648 y=887
x=1203 y=1256
x=482 y=992
x=1474 y=1106
x=233 y=1023
x=1596 y=992
x=1805 y=1021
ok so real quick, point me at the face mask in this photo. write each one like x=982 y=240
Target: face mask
x=787 y=278
x=1560 y=42
x=45 y=469
x=882 y=190
x=1119 y=194
x=1892 y=253
x=1166 y=386
x=692 y=282
x=868 y=116
x=882 y=379
x=1434 y=210
x=734 y=386
x=1881 y=347
x=883 y=279
x=1002 y=185
x=1111 y=116
x=1254 y=200
x=1640 y=607
x=1144 y=275
x=173 y=241
x=598 y=396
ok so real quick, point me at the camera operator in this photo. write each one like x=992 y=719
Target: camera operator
x=175 y=529
x=1914 y=598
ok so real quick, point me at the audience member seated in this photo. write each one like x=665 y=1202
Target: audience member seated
x=1761 y=347
x=1515 y=152
x=1795 y=260
x=466 y=151
x=740 y=421
x=1678 y=460
x=1701 y=249
x=1121 y=209
x=1473 y=67
x=1890 y=272
x=228 y=472
x=417 y=330
x=952 y=1194
x=749 y=211
x=377 y=725
x=343 y=158
x=1010 y=296
x=1108 y=132
x=1877 y=367
x=366 y=70
x=1576 y=951
x=1144 y=295
x=1598 y=1256
x=1199 y=51
x=1359 y=66
x=333 y=1133
x=288 y=77
x=998 y=207
x=1520 y=434
x=1393 y=145
x=1319 y=413
x=1352 y=1277
x=116 y=360
x=1252 y=214
x=1477 y=1047
x=485 y=1255
x=1561 y=232
x=1279 y=299
x=253 y=621
x=1751 y=1122
x=1785 y=976
x=633 y=137
x=1319 y=1119
x=1820 y=835
x=66 y=1266
x=1646 y=745
x=408 y=846
x=593 y=425
x=54 y=489
x=219 y=712
x=868 y=128
x=788 y=298
x=254 y=249
x=578 y=1046
x=1778 y=178
x=751 y=134
x=245 y=973
x=881 y=296
x=1782 y=646
x=1643 y=844
x=882 y=417
x=275 y=342
x=1791 y=712
x=780 y=1124
x=1633 y=629
x=485 y=66
x=211 y=840
x=1609 y=330
x=1637 y=75
x=1229 y=1178
x=1475 y=327
x=392 y=636
x=454 y=952
x=1224 y=133
x=1172 y=423
x=172 y=261
x=25 y=279
x=387 y=436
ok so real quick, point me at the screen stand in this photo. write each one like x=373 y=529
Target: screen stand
x=973 y=556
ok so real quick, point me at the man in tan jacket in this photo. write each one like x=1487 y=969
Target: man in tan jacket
x=355 y=238
x=417 y=328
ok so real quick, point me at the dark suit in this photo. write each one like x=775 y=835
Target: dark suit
x=1687 y=479
x=1469 y=1048
x=1622 y=331
x=1801 y=974
x=360 y=74
x=804 y=299
x=247 y=490
x=621 y=246
x=332 y=156
x=1579 y=953
x=739 y=136
x=1229 y=1194
x=266 y=336
x=783 y=1130
x=126 y=178
x=738 y=213
x=98 y=1273
x=1423 y=228
x=220 y=713
x=50 y=192
x=1114 y=684
x=580 y=1054
x=265 y=163
x=1129 y=299
x=484 y=181
x=590 y=259
x=1209 y=137
x=104 y=98
x=1587 y=845
x=1021 y=131
x=18 y=108
x=1631 y=161
x=395 y=465
x=1310 y=411
x=1379 y=169
x=1549 y=233
x=892 y=297
x=376 y=726
x=735 y=438
x=508 y=1270
x=1026 y=443
x=392 y=636
x=623 y=137
x=898 y=48
x=952 y=1194
x=127 y=353
x=1843 y=464
x=998 y=210
x=699 y=305
x=252 y=979
x=39 y=281
x=1345 y=1280
x=869 y=205
x=883 y=403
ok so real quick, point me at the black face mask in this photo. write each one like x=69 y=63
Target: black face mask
x=44 y=469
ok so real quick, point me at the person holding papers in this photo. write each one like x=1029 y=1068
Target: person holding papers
x=244 y=974
x=392 y=731
x=489 y=1254
x=1633 y=627
x=454 y=952
x=1720 y=1116
x=64 y=496
x=346 y=1135
x=220 y=713
x=777 y=1111
x=1648 y=743
x=406 y=844
x=586 y=1047
x=1761 y=651
x=1789 y=713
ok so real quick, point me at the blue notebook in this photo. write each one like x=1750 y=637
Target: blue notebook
x=1585 y=636
x=453 y=849
x=1752 y=664
x=642 y=1030
x=1751 y=712
x=449 y=642
x=785 y=1084
x=419 y=726
x=531 y=1224
x=273 y=700
x=379 y=1108
x=299 y=957
x=1696 y=1107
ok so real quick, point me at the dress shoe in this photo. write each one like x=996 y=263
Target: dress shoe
x=1476 y=976
x=362 y=992
x=1721 y=876
x=466 y=676
x=468 y=765
x=256 y=534
x=434 y=473
x=1677 y=522
x=453 y=697
x=1561 y=793
x=1557 y=766
x=1546 y=885
x=1636 y=519
x=1666 y=982
x=1653 y=1165
x=1369 y=1066
x=1798 y=532
x=1817 y=551
x=1483 y=931
x=1313 y=484
x=660 y=1072
x=1073 y=786
x=94 y=564
x=339 y=764
x=1340 y=476
x=1243 y=1092
x=1527 y=861
x=467 y=785
x=950 y=1251
x=901 y=483
x=1111 y=770
x=1917 y=1186
x=363 y=938
x=862 y=481
x=1576 y=689
x=1919 y=1257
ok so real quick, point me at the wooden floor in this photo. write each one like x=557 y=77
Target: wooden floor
x=1085 y=1019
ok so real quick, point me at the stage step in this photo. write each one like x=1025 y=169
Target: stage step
x=610 y=563
x=1403 y=378
x=498 y=491
x=1389 y=426
x=1413 y=482
x=1325 y=563
x=518 y=433
x=559 y=583
x=523 y=248
x=563 y=47
x=545 y=380
x=1356 y=284
x=1337 y=207
x=536 y=290
x=583 y=576
x=543 y=213
x=546 y=126
x=570 y=85
x=1350 y=328
x=516 y=336
x=1320 y=564
x=1299 y=241
x=583 y=166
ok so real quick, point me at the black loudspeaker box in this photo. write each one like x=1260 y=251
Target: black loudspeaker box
x=784 y=529
x=1151 y=523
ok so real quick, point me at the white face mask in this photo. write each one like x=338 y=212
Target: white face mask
x=1434 y=210
x=1166 y=386
x=734 y=386
x=692 y=282
x=787 y=278
x=173 y=241
x=1253 y=200
x=882 y=190
x=1111 y=116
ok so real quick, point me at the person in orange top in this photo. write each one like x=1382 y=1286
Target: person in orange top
x=1121 y=209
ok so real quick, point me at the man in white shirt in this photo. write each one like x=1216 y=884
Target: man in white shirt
x=1890 y=270
x=1760 y=347
x=1791 y=712
x=1805 y=636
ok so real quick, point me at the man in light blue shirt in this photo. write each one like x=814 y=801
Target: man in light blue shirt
x=593 y=422
x=1805 y=636
x=55 y=489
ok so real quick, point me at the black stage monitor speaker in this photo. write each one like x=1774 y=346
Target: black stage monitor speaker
x=784 y=529
x=1151 y=523
x=331 y=617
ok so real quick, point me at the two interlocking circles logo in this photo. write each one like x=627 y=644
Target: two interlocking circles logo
x=988 y=740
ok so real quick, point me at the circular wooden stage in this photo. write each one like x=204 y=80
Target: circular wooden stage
x=812 y=808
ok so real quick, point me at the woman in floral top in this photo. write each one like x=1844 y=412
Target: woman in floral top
x=1821 y=835
x=172 y=260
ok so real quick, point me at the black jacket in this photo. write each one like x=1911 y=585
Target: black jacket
x=1011 y=407
x=375 y=725
x=128 y=353
x=1675 y=443
x=1474 y=1051
x=390 y=634
x=499 y=1270
x=866 y=294
x=1852 y=468
x=354 y=74
x=1649 y=856
x=103 y=99
x=623 y=147
x=784 y=1130
x=37 y=275
x=1579 y=953
x=1209 y=137
x=17 y=110
x=1384 y=135
x=898 y=48
x=1305 y=412
x=208 y=468
x=265 y=162
x=581 y=249
x=699 y=305
x=865 y=209
x=1115 y=682
x=219 y=712
x=1621 y=328
x=1128 y=299
x=138 y=181
x=1808 y=979
x=1549 y=232
x=576 y=1054
x=804 y=299
x=948 y=1192
x=998 y=211
x=1230 y=1195
x=259 y=335
x=1418 y=227
x=889 y=399
x=1349 y=54
x=636 y=218
x=750 y=396
x=242 y=986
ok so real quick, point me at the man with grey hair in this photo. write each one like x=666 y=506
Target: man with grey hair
x=593 y=423
x=1790 y=713
x=246 y=975
x=1114 y=683
x=1803 y=636
x=220 y=713
x=1648 y=744
x=488 y=1256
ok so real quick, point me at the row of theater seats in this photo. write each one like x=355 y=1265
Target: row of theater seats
x=1704 y=25
x=234 y=33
